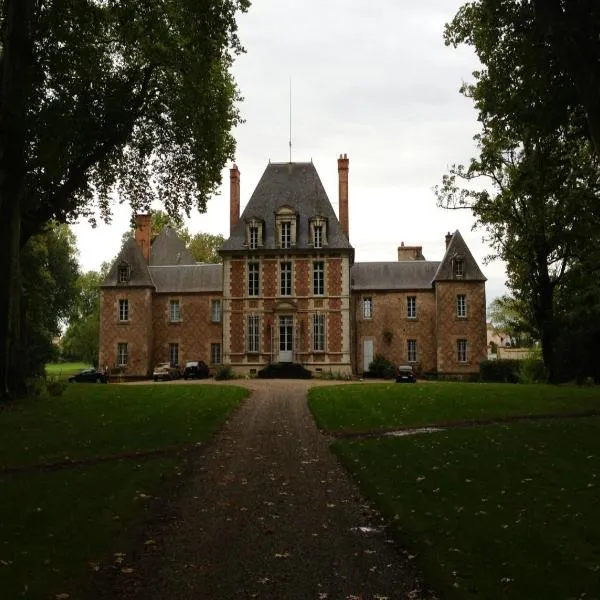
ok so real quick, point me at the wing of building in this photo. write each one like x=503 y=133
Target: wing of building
x=289 y=291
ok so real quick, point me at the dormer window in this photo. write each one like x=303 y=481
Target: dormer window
x=123 y=273
x=285 y=224
x=318 y=231
x=458 y=266
x=254 y=233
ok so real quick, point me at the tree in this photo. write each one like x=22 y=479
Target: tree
x=102 y=97
x=540 y=205
x=511 y=316
x=205 y=247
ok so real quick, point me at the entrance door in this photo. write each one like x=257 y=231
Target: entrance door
x=367 y=354
x=286 y=328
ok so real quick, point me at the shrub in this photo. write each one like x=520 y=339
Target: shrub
x=224 y=372
x=503 y=370
x=284 y=371
x=381 y=367
x=532 y=370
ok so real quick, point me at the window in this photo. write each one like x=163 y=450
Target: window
x=461 y=305
x=174 y=354
x=253 y=333
x=286 y=279
x=174 y=310
x=286 y=234
x=123 y=310
x=318 y=278
x=253 y=274
x=123 y=274
x=215 y=354
x=318 y=236
x=461 y=350
x=367 y=308
x=411 y=307
x=253 y=238
x=215 y=311
x=458 y=267
x=319 y=332
x=122 y=355
x=411 y=350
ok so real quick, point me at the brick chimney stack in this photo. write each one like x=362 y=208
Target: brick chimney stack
x=143 y=228
x=410 y=252
x=343 y=162
x=448 y=238
x=234 y=197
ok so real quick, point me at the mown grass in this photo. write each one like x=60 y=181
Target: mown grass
x=60 y=525
x=368 y=407
x=66 y=369
x=497 y=512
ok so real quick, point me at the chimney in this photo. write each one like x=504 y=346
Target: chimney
x=234 y=197
x=343 y=193
x=410 y=252
x=448 y=238
x=143 y=227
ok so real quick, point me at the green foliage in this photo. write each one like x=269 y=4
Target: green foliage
x=532 y=370
x=381 y=368
x=205 y=247
x=284 y=371
x=501 y=370
x=224 y=372
x=513 y=317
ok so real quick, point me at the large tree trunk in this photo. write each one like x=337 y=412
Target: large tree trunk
x=15 y=76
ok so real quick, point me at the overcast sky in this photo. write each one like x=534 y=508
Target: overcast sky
x=370 y=79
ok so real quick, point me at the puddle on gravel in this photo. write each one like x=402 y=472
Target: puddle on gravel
x=419 y=431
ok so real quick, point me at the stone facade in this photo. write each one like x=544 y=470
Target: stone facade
x=289 y=291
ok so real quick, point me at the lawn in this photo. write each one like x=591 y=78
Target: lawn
x=367 y=407
x=495 y=512
x=66 y=521
x=66 y=369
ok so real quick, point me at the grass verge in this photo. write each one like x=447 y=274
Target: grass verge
x=498 y=512
x=65 y=370
x=368 y=407
x=65 y=523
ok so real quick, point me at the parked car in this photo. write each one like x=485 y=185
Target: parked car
x=195 y=368
x=405 y=374
x=165 y=371
x=88 y=376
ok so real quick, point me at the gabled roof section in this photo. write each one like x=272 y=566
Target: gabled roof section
x=401 y=275
x=130 y=255
x=458 y=250
x=187 y=278
x=168 y=249
x=298 y=186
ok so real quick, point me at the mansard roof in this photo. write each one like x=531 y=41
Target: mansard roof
x=400 y=275
x=297 y=186
x=132 y=257
x=168 y=249
x=175 y=279
x=458 y=249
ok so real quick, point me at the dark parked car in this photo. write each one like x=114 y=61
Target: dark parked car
x=88 y=376
x=405 y=374
x=195 y=368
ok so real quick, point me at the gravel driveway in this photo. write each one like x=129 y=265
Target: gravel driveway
x=268 y=513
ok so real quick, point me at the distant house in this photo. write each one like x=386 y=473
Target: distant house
x=289 y=290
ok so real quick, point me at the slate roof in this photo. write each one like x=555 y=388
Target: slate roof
x=458 y=248
x=298 y=186
x=187 y=278
x=168 y=249
x=400 y=275
x=130 y=254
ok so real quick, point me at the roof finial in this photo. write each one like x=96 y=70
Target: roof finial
x=290 y=119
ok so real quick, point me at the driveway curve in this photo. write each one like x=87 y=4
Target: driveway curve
x=267 y=512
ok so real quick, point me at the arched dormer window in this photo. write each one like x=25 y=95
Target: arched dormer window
x=286 y=221
x=123 y=273
x=317 y=230
x=458 y=266
x=255 y=233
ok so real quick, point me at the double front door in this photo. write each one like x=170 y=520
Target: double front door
x=286 y=338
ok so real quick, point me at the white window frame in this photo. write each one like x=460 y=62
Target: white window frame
x=174 y=310
x=253 y=334
x=286 y=235
x=215 y=353
x=318 y=332
x=462 y=350
x=123 y=310
x=215 y=310
x=319 y=278
x=459 y=267
x=122 y=354
x=123 y=274
x=253 y=279
x=411 y=307
x=461 y=306
x=253 y=237
x=318 y=235
x=285 y=278
x=174 y=354
x=411 y=350
x=367 y=307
